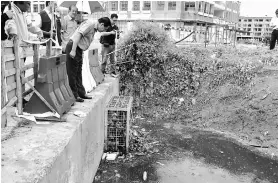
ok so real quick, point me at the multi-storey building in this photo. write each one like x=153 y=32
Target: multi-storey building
x=183 y=16
x=257 y=27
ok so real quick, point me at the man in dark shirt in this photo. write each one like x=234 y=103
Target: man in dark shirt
x=108 y=45
x=45 y=21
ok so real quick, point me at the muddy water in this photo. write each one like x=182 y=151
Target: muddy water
x=197 y=156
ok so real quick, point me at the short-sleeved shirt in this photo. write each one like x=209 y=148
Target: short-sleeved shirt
x=87 y=29
x=69 y=25
x=274 y=21
x=110 y=39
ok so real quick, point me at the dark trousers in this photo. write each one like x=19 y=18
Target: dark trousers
x=105 y=51
x=274 y=39
x=74 y=71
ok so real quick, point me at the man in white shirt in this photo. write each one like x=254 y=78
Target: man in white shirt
x=274 y=35
x=69 y=25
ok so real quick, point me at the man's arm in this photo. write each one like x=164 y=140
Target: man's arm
x=75 y=41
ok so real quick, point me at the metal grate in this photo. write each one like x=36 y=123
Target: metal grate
x=117 y=119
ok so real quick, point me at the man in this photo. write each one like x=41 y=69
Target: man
x=4 y=17
x=45 y=20
x=79 y=42
x=108 y=46
x=69 y=25
x=274 y=34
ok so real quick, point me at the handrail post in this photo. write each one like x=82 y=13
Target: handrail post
x=18 y=76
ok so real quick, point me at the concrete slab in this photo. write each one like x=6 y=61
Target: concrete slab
x=60 y=152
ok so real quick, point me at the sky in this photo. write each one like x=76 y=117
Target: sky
x=258 y=7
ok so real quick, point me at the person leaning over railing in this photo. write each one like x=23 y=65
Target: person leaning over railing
x=79 y=42
x=274 y=34
x=108 y=46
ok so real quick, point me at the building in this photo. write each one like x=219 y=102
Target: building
x=182 y=16
x=258 y=27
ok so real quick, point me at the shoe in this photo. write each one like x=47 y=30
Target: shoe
x=85 y=97
x=78 y=99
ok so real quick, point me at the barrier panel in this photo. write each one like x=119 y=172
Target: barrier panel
x=52 y=84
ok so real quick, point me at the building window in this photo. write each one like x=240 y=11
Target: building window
x=124 y=5
x=261 y=20
x=35 y=8
x=239 y=20
x=160 y=5
x=200 y=9
x=190 y=6
x=136 y=6
x=114 y=5
x=172 y=5
x=249 y=25
x=147 y=5
x=249 y=20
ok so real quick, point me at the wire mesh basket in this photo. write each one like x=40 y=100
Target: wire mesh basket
x=117 y=123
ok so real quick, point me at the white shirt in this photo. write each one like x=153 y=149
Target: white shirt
x=274 y=22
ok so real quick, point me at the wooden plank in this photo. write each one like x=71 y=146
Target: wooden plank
x=18 y=76
x=9 y=72
x=12 y=101
x=3 y=110
x=10 y=64
x=8 y=51
x=10 y=87
x=3 y=79
x=29 y=78
x=7 y=43
x=9 y=57
x=28 y=66
x=27 y=92
x=36 y=61
x=11 y=94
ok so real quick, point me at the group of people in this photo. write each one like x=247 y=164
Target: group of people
x=74 y=38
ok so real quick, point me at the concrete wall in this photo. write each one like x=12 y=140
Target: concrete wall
x=67 y=152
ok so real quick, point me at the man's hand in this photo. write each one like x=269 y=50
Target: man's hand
x=72 y=54
x=10 y=13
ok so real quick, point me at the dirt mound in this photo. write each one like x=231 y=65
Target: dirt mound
x=249 y=110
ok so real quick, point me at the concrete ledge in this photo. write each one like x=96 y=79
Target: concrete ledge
x=67 y=152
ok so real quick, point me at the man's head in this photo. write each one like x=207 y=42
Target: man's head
x=49 y=4
x=73 y=11
x=24 y=6
x=114 y=18
x=276 y=12
x=103 y=24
